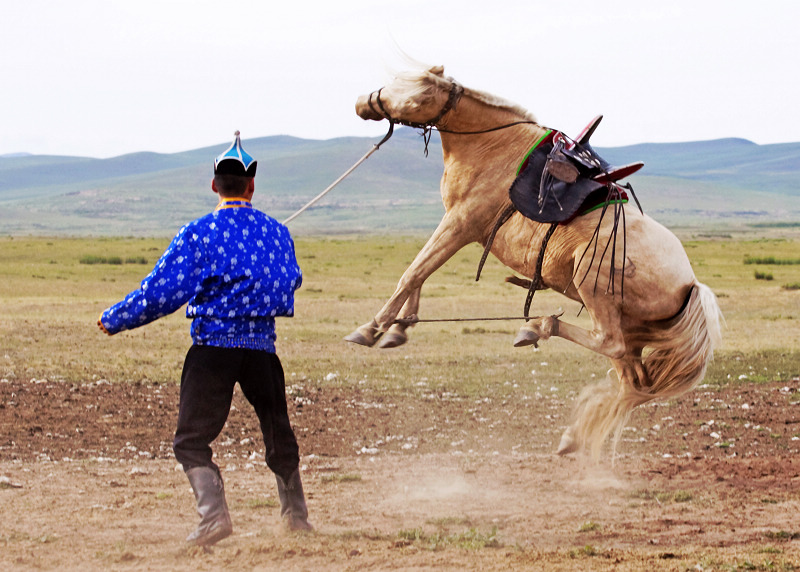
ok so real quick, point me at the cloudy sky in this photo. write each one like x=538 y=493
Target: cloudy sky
x=102 y=78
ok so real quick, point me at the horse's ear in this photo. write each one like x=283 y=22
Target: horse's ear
x=437 y=70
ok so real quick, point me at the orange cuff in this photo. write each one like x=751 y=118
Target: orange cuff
x=101 y=326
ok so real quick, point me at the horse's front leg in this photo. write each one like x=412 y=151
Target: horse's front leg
x=452 y=234
x=396 y=334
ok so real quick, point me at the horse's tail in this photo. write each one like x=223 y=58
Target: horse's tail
x=674 y=361
x=681 y=352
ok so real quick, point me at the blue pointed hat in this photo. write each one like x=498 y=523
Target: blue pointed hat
x=235 y=161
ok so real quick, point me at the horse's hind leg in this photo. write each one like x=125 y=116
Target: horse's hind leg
x=605 y=338
x=602 y=408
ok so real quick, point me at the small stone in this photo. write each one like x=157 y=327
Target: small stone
x=7 y=483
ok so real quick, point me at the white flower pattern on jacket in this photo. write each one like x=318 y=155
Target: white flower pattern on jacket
x=236 y=268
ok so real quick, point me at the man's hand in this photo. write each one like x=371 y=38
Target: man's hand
x=102 y=327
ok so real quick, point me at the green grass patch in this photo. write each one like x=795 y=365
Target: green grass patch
x=342 y=478
x=448 y=521
x=262 y=503
x=763 y=275
x=770 y=550
x=779 y=224
x=114 y=260
x=471 y=539
x=94 y=259
x=764 y=366
x=781 y=535
x=354 y=535
x=767 y=260
x=589 y=526
x=585 y=551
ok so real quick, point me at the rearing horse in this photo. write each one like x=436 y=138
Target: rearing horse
x=659 y=333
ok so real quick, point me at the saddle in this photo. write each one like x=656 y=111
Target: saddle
x=559 y=176
x=559 y=179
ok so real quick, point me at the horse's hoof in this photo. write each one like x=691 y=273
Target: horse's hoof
x=392 y=340
x=365 y=335
x=360 y=339
x=526 y=337
x=568 y=443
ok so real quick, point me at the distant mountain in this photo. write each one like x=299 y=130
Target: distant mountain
x=725 y=181
x=737 y=163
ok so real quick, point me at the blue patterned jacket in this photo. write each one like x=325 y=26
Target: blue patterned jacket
x=237 y=270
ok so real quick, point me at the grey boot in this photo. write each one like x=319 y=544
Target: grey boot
x=293 y=502
x=215 y=523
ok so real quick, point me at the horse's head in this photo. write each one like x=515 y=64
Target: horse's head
x=413 y=98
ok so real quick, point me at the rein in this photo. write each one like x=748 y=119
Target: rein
x=489 y=130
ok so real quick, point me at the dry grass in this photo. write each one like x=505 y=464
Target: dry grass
x=51 y=302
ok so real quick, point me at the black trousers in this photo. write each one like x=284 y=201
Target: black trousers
x=207 y=383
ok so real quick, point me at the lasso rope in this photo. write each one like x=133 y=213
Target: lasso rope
x=414 y=319
x=366 y=156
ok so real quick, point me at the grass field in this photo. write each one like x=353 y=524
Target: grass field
x=51 y=299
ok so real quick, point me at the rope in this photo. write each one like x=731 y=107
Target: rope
x=455 y=92
x=366 y=156
x=414 y=319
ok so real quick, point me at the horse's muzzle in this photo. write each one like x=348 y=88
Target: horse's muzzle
x=365 y=111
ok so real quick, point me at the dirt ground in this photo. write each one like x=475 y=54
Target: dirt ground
x=429 y=481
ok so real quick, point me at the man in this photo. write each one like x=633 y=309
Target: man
x=237 y=270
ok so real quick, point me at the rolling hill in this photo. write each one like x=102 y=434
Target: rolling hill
x=722 y=182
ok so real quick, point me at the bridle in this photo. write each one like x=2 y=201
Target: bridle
x=452 y=99
x=456 y=91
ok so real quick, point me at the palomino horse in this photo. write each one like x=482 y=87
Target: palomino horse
x=659 y=333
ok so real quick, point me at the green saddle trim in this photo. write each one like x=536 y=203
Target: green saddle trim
x=532 y=149
x=604 y=203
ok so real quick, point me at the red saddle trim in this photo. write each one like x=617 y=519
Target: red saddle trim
x=618 y=173
x=583 y=136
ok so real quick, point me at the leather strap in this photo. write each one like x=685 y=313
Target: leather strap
x=537 y=277
x=502 y=219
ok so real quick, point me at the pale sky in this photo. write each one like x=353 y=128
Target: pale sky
x=102 y=78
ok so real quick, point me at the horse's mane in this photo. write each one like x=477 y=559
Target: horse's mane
x=423 y=80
